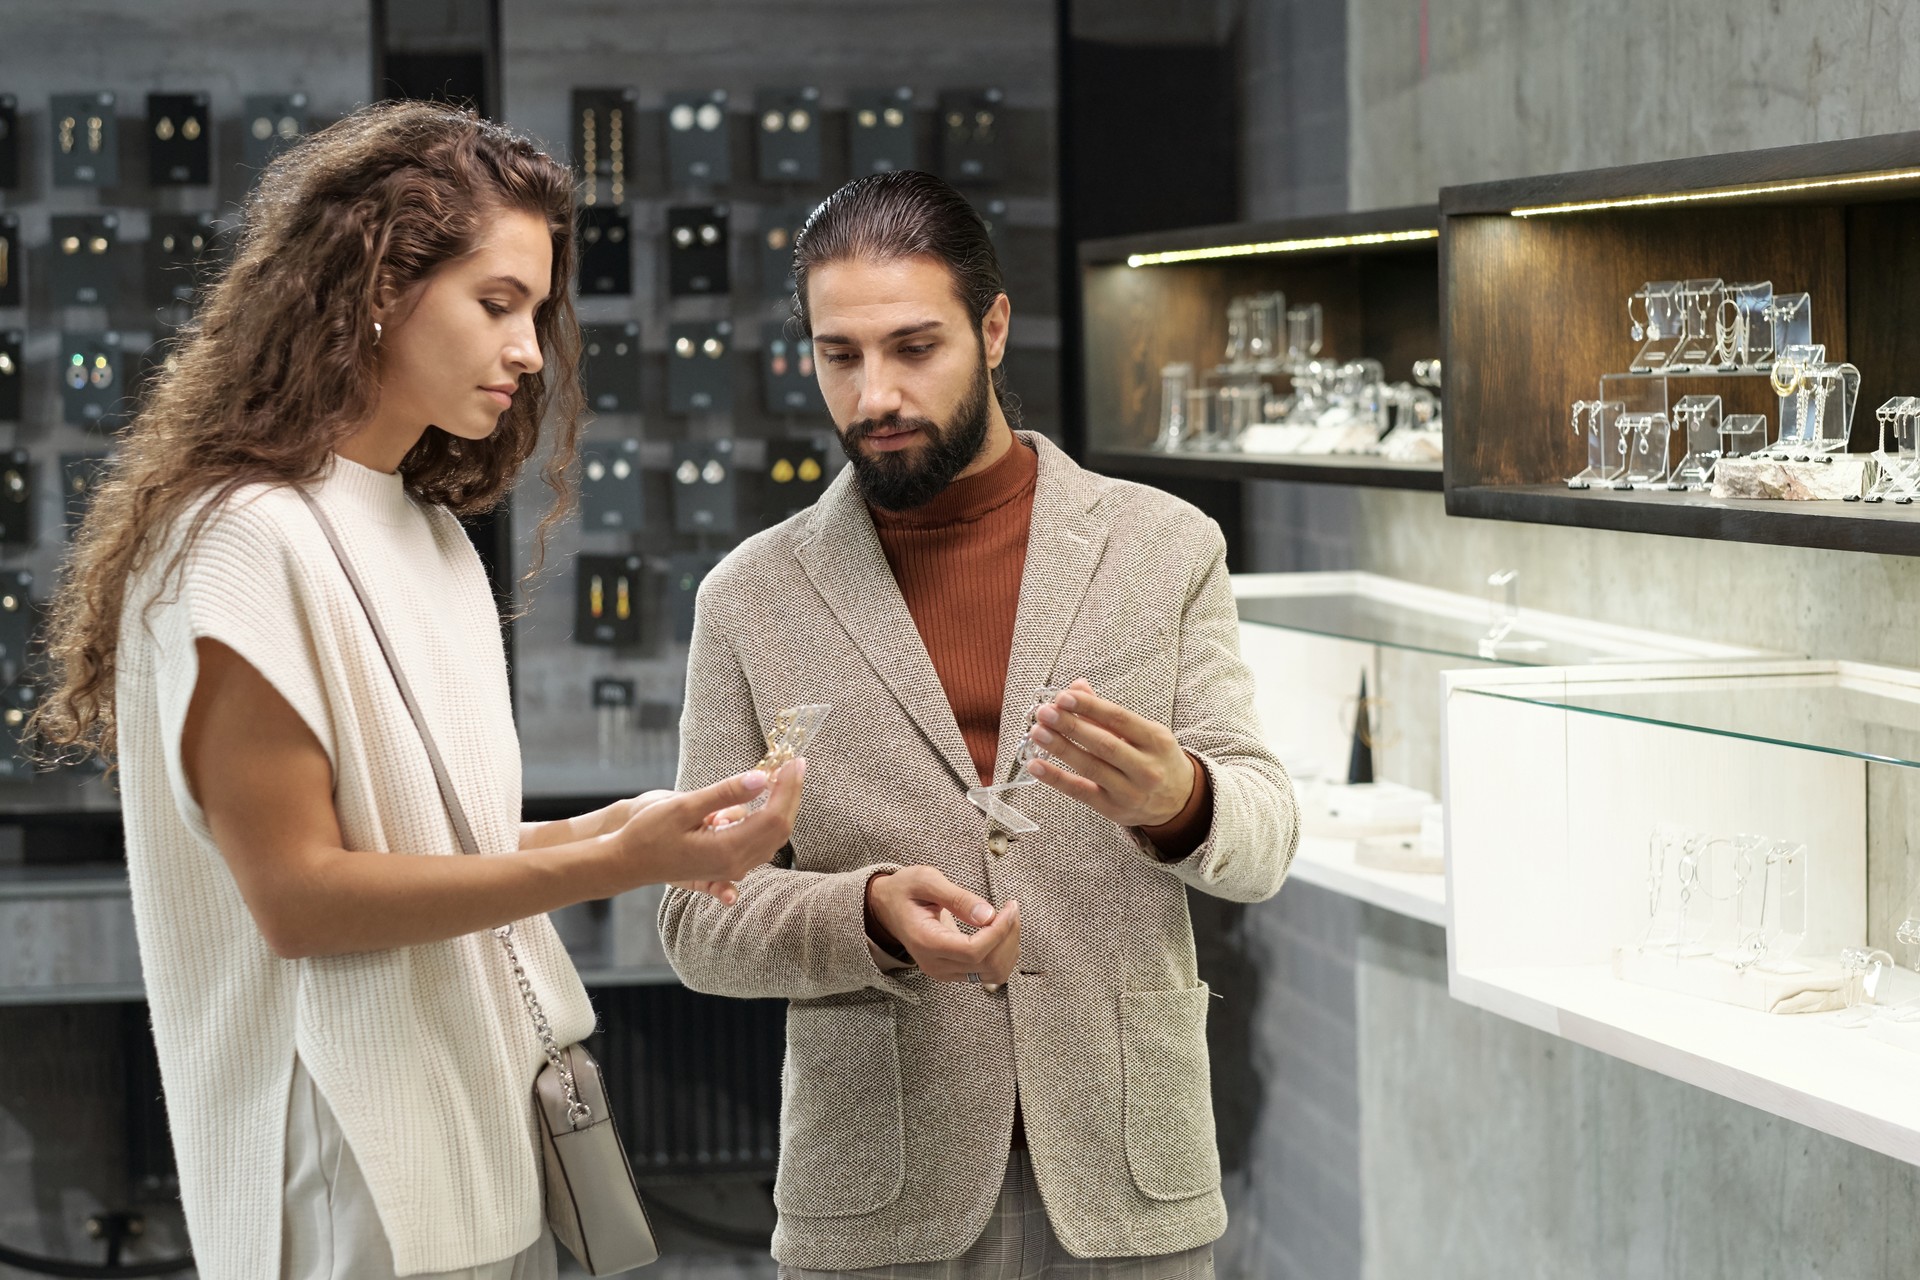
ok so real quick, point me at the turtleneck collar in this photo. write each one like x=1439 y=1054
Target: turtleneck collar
x=379 y=495
x=971 y=497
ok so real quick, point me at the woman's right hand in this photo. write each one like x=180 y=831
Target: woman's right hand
x=676 y=839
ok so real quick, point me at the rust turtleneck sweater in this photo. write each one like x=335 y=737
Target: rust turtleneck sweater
x=958 y=561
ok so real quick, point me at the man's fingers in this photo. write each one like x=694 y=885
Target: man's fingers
x=1080 y=699
x=1104 y=770
x=929 y=886
x=1000 y=963
x=1117 y=750
x=1085 y=790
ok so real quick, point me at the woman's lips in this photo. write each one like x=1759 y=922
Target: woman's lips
x=500 y=398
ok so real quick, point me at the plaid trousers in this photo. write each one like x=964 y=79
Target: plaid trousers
x=1019 y=1244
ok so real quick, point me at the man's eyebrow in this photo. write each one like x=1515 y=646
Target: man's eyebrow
x=904 y=331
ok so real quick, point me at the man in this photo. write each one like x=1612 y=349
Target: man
x=996 y=1056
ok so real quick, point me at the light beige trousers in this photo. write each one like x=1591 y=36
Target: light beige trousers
x=330 y=1229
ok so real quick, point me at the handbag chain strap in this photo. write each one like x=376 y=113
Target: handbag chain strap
x=578 y=1112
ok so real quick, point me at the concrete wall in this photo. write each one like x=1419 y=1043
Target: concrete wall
x=1487 y=1150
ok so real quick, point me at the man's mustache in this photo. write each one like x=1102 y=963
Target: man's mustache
x=858 y=431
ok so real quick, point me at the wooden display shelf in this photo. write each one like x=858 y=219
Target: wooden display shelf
x=1151 y=464
x=1378 y=300
x=1535 y=314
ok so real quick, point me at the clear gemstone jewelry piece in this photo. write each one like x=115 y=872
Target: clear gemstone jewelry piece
x=787 y=738
x=992 y=800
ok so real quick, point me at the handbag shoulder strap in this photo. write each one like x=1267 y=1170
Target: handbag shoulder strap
x=462 y=829
x=578 y=1112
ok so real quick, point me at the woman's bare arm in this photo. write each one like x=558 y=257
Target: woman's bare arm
x=265 y=784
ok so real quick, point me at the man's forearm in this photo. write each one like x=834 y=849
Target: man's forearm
x=799 y=935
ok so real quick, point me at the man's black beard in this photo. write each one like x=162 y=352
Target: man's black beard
x=903 y=479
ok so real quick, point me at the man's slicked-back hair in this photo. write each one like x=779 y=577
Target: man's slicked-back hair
x=905 y=214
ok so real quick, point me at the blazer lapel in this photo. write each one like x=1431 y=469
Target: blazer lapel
x=843 y=559
x=1063 y=550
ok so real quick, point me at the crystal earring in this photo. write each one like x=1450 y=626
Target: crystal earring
x=376 y=333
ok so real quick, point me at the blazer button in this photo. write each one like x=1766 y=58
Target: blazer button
x=997 y=843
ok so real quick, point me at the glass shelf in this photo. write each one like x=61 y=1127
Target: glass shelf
x=1845 y=709
x=1369 y=609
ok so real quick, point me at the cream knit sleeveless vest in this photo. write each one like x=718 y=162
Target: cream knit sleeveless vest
x=425 y=1053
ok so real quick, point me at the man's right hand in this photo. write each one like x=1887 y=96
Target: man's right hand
x=918 y=909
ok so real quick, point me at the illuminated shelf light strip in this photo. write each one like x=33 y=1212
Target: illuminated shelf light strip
x=1720 y=193
x=1277 y=246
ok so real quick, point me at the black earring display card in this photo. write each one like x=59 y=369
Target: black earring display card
x=610 y=366
x=697 y=153
x=880 y=131
x=602 y=141
x=12 y=374
x=91 y=394
x=786 y=369
x=704 y=487
x=273 y=121
x=179 y=140
x=79 y=472
x=606 y=251
x=607 y=600
x=686 y=570
x=699 y=372
x=612 y=498
x=795 y=477
x=86 y=140
x=13 y=261
x=787 y=130
x=179 y=249
x=16 y=499
x=17 y=702
x=9 y=142
x=994 y=213
x=778 y=227
x=697 y=250
x=16 y=619
x=969 y=132
x=82 y=273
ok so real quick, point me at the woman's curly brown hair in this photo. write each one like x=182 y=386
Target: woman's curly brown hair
x=280 y=366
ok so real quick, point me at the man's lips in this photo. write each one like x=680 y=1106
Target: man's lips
x=890 y=441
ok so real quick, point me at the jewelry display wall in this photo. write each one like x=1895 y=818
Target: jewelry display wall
x=1772 y=280
x=1302 y=350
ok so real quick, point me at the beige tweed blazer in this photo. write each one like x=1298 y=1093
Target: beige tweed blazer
x=898 y=1092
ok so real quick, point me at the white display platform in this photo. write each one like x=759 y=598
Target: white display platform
x=1330 y=864
x=1554 y=781
x=1326 y=629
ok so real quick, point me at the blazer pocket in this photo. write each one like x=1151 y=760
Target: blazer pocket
x=1168 y=1113
x=842 y=1131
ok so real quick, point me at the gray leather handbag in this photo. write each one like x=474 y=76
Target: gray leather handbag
x=593 y=1203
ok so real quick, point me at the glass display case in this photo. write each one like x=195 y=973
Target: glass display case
x=1307 y=349
x=1637 y=304
x=1703 y=868
x=1347 y=669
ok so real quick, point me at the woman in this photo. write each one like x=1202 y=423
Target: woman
x=347 y=1061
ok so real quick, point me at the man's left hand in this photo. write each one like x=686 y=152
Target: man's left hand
x=1124 y=767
